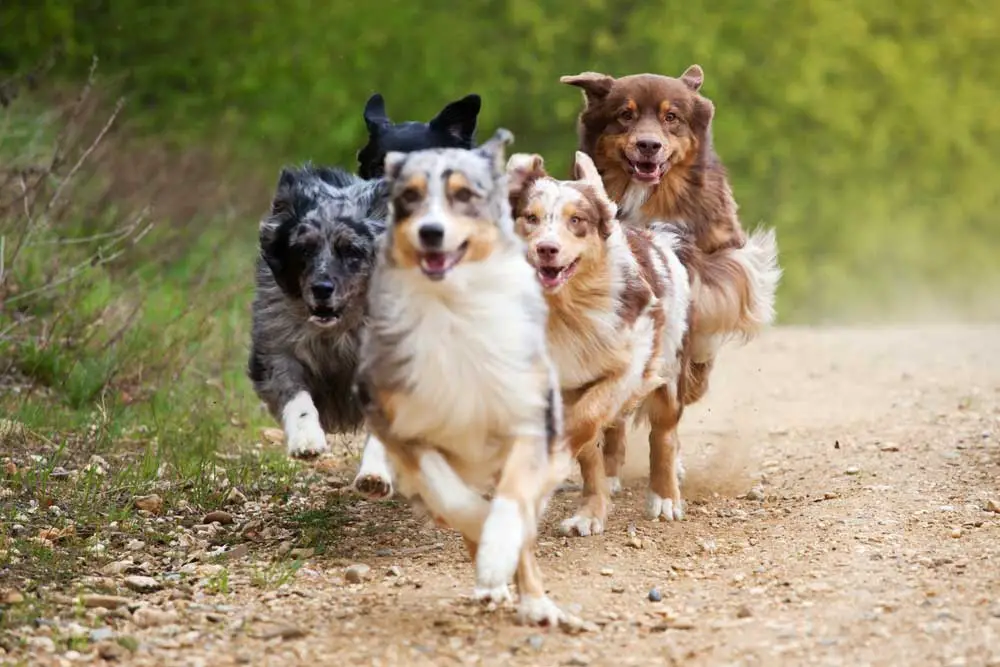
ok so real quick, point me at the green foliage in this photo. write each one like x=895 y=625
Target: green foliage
x=864 y=131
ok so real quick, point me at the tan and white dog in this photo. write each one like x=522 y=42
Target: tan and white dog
x=618 y=330
x=454 y=376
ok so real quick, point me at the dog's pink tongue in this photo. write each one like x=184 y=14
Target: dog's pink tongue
x=435 y=261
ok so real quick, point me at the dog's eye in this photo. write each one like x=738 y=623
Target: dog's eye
x=531 y=219
x=352 y=252
x=670 y=117
x=627 y=115
x=576 y=221
x=463 y=195
x=410 y=196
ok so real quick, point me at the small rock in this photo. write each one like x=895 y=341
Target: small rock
x=536 y=642
x=142 y=584
x=10 y=596
x=384 y=553
x=744 y=611
x=283 y=631
x=578 y=660
x=235 y=497
x=238 y=552
x=151 y=503
x=830 y=495
x=617 y=588
x=147 y=617
x=993 y=506
x=889 y=447
x=111 y=651
x=358 y=573
x=302 y=554
x=956 y=533
x=218 y=516
x=634 y=542
x=394 y=571
x=104 y=601
x=117 y=567
x=59 y=473
x=101 y=634
x=852 y=470
x=607 y=572
x=135 y=545
x=756 y=493
x=655 y=595
x=9 y=467
x=41 y=643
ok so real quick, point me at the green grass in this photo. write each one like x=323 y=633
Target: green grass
x=119 y=376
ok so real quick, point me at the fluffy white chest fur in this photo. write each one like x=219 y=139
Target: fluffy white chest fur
x=470 y=354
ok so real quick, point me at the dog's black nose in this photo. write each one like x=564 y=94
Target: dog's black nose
x=431 y=235
x=648 y=145
x=547 y=250
x=322 y=290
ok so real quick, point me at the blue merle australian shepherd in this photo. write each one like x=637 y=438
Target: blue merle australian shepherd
x=317 y=250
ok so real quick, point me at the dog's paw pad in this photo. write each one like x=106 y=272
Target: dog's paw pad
x=614 y=485
x=307 y=440
x=582 y=525
x=665 y=509
x=496 y=595
x=373 y=486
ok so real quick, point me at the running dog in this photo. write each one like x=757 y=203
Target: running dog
x=454 y=373
x=453 y=127
x=619 y=301
x=650 y=137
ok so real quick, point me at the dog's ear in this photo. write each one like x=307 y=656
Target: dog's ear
x=595 y=85
x=693 y=77
x=458 y=119
x=495 y=149
x=585 y=170
x=393 y=163
x=375 y=113
x=523 y=169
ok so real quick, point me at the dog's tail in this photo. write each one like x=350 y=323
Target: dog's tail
x=732 y=289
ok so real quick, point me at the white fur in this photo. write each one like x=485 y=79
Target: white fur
x=582 y=525
x=630 y=207
x=614 y=485
x=458 y=359
x=663 y=508
x=541 y=611
x=374 y=476
x=448 y=496
x=500 y=544
x=303 y=433
x=759 y=258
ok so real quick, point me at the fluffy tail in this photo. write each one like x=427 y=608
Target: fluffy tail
x=732 y=289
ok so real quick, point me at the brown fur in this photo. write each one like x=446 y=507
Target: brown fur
x=580 y=226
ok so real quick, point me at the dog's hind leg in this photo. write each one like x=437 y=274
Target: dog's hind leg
x=664 y=497
x=374 y=478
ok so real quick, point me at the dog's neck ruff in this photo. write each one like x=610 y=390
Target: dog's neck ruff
x=633 y=199
x=461 y=353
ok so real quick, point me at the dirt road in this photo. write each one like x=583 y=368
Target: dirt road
x=870 y=456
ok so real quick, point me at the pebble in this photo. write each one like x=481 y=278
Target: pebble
x=111 y=651
x=101 y=634
x=135 y=545
x=744 y=611
x=147 y=617
x=655 y=595
x=235 y=497
x=141 y=584
x=59 y=473
x=10 y=596
x=617 y=588
x=394 y=571
x=956 y=533
x=151 y=503
x=104 y=601
x=283 y=631
x=41 y=643
x=993 y=506
x=218 y=516
x=889 y=447
x=756 y=493
x=852 y=470
x=578 y=660
x=536 y=642
x=358 y=573
x=607 y=572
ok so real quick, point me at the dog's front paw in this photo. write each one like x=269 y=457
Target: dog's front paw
x=303 y=433
x=543 y=611
x=614 y=485
x=581 y=524
x=373 y=486
x=494 y=594
x=667 y=509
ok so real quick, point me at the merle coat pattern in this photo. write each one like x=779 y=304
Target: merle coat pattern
x=317 y=249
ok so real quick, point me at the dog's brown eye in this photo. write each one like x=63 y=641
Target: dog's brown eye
x=410 y=196
x=531 y=219
x=671 y=116
x=627 y=115
x=463 y=195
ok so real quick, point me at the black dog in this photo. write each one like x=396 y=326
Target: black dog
x=453 y=127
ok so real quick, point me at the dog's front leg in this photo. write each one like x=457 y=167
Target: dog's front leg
x=585 y=420
x=304 y=435
x=374 y=478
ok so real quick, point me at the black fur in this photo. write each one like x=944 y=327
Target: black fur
x=453 y=127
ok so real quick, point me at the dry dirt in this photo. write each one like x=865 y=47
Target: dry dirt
x=871 y=536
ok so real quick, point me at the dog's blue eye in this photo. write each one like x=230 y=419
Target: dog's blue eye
x=352 y=252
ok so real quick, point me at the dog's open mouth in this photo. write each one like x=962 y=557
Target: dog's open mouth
x=324 y=317
x=552 y=277
x=436 y=265
x=646 y=171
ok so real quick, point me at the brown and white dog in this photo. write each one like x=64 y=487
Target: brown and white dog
x=650 y=137
x=618 y=302
x=454 y=375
